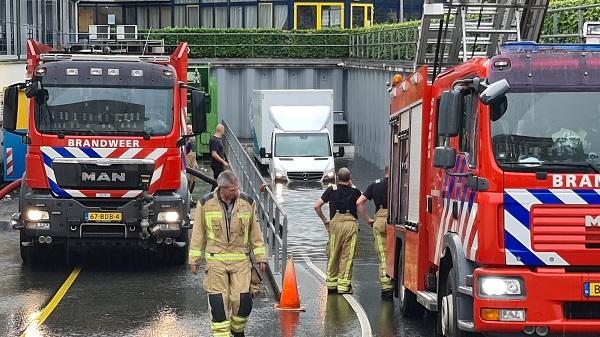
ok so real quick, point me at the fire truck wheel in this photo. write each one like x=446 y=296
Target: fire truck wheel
x=31 y=253
x=447 y=313
x=407 y=303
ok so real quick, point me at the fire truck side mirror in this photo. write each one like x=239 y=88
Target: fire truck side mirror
x=495 y=92
x=11 y=106
x=451 y=105
x=198 y=109
x=444 y=157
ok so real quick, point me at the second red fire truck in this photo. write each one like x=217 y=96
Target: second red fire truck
x=494 y=195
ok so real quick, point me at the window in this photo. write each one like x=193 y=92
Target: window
x=467 y=136
x=250 y=17
x=361 y=15
x=394 y=213
x=281 y=16
x=331 y=16
x=220 y=17
x=142 y=18
x=86 y=18
x=306 y=16
x=193 y=17
x=207 y=17
x=235 y=17
x=154 y=17
x=165 y=17
x=130 y=16
x=265 y=15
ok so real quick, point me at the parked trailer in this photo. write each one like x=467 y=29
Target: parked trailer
x=494 y=201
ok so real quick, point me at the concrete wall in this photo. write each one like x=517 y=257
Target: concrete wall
x=359 y=90
x=367 y=113
x=235 y=86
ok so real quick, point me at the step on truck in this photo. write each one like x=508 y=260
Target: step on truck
x=494 y=195
x=105 y=161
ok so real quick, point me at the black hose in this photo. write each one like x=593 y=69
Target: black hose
x=201 y=176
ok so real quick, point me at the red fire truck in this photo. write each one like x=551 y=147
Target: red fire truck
x=105 y=163
x=494 y=195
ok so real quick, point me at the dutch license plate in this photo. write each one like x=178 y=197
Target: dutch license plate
x=103 y=216
x=591 y=289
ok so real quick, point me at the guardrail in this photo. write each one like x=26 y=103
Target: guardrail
x=399 y=43
x=271 y=215
x=559 y=27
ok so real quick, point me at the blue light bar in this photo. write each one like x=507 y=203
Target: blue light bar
x=534 y=47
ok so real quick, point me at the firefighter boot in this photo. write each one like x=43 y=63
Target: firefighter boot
x=347 y=240
x=380 y=237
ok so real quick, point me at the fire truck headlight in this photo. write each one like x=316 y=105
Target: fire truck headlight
x=170 y=216
x=36 y=215
x=508 y=287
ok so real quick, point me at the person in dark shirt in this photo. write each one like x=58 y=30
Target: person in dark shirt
x=343 y=227
x=377 y=191
x=218 y=161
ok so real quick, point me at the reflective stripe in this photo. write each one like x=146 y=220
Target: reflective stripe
x=259 y=250
x=350 y=257
x=238 y=323
x=220 y=325
x=208 y=217
x=221 y=334
x=196 y=252
x=227 y=257
x=331 y=250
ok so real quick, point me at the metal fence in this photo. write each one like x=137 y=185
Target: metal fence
x=386 y=44
x=271 y=215
x=559 y=24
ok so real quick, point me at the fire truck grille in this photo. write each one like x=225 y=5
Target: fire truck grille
x=570 y=227
x=81 y=176
x=582 y=310
x=305 y=176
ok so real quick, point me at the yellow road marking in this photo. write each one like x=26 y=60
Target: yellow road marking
x=45 y=313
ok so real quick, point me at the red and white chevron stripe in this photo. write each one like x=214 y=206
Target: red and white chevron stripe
x=9 y=161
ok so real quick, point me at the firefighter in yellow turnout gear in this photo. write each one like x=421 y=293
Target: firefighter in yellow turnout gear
x=225 y=231
x=343 y=227
x=377 y=191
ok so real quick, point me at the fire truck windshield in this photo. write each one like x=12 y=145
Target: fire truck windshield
x=100 y=110
x=548 y=131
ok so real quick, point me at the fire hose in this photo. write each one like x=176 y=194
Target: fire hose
x=9 y=188
x=201 y=176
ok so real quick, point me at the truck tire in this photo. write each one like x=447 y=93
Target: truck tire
x=177 y=256
x=407 y=300
x=29 y=254
x=447 y=313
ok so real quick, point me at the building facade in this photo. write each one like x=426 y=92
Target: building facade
x=278 y=14
x=50 y=21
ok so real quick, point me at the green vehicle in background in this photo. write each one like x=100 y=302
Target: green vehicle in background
x=199 y=77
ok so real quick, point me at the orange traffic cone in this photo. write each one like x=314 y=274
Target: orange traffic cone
x=290 y=300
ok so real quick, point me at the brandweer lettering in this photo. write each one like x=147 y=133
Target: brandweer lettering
x=103 y=143
x=571 y=180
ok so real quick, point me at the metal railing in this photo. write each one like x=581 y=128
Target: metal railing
x=271 y=215
x=399 y=43
x=558 y=24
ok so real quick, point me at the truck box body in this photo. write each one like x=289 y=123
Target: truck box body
x=301 y=121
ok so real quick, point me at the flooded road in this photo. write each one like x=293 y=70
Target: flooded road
x=307 y=237
x=126 y=293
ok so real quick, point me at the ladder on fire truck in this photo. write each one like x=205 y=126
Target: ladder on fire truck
x=458 y=30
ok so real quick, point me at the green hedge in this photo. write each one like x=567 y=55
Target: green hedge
x=260 y=43
x=567 y=21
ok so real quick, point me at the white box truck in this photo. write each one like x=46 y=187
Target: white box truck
x=292 y=133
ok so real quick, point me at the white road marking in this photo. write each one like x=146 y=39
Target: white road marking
x=365 y=326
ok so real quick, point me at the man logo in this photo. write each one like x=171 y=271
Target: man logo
x=114 y=177
x=592 y=221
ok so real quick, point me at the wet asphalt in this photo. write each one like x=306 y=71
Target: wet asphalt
x=126 y=293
